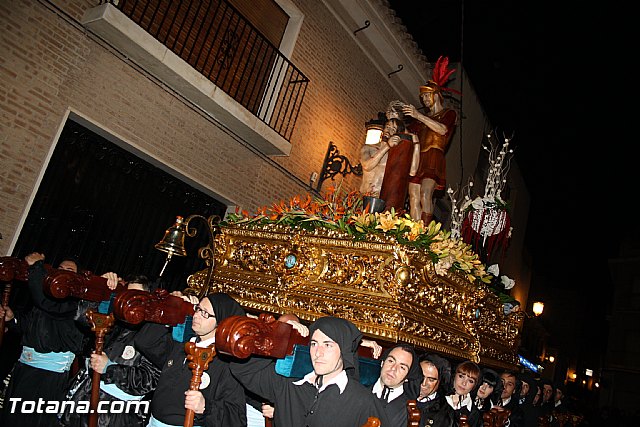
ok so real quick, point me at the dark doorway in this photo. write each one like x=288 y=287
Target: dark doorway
x=108 y=208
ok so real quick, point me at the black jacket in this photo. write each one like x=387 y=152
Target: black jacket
x=302 y=405
x=131 y=372
x=224 y=396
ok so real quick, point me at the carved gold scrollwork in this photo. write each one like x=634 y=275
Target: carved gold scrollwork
x=390 y=291
x=318 y=264
x=197 y=283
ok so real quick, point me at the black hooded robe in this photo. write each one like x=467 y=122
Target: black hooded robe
x=224 y=396
x=437 y=413
x=50 y=326
x=302 y=405
x=396 y=410
x=131 y=372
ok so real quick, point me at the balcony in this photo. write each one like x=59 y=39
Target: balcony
x=210 y=54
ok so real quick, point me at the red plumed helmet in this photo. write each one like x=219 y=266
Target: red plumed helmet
x=439 y=77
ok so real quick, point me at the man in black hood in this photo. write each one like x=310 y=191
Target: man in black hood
x=345 y=335
x=531 y=411
x=220 y=401
x=399 y=381
x=328 y=396
x=432 y=403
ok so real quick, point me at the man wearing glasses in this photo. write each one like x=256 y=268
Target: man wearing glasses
x=220 y=401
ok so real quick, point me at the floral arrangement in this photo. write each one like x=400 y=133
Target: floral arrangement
x=484 y=221
x=500 y=285
x=346 y=214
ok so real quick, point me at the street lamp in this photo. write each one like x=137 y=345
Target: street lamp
x=538 y=308
x=374 y=129
x=372 y=203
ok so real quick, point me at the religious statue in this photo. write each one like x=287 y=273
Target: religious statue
x=434 y=130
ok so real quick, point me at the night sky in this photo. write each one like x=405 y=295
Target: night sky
x=535 y=73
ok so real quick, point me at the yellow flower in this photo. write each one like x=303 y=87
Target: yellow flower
x=364 y=219
x=405 y=222
x=416 y=230
x=386 y=221
x=345 y=213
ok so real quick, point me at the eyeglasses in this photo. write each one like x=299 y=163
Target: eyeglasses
x=204 y=313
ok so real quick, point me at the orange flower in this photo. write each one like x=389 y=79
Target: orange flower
x=307 y=202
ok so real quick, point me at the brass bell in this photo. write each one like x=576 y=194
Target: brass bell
x=173 y=241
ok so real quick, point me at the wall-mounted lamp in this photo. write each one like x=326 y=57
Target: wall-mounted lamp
x=173 y=243
x=336 y=163
x=374 y=129
x=538 y=308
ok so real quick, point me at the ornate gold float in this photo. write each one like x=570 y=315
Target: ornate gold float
x=391 y=291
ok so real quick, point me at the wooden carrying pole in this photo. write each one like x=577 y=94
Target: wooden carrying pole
x=6 y=292
x=57 y=283
x=372 y=422
x=11 y=268
x=413 y=413
x=199 y=358
x=100 y=325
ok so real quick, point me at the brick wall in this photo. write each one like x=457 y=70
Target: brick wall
x=50 y=65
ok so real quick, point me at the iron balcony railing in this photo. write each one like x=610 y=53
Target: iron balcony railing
x=216 y=40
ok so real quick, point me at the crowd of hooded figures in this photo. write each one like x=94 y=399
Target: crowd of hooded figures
x=145 y=375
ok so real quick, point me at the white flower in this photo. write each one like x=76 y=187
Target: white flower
x=507 y=282
x=494 y=270
x=477 y=203
x=443 y=265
